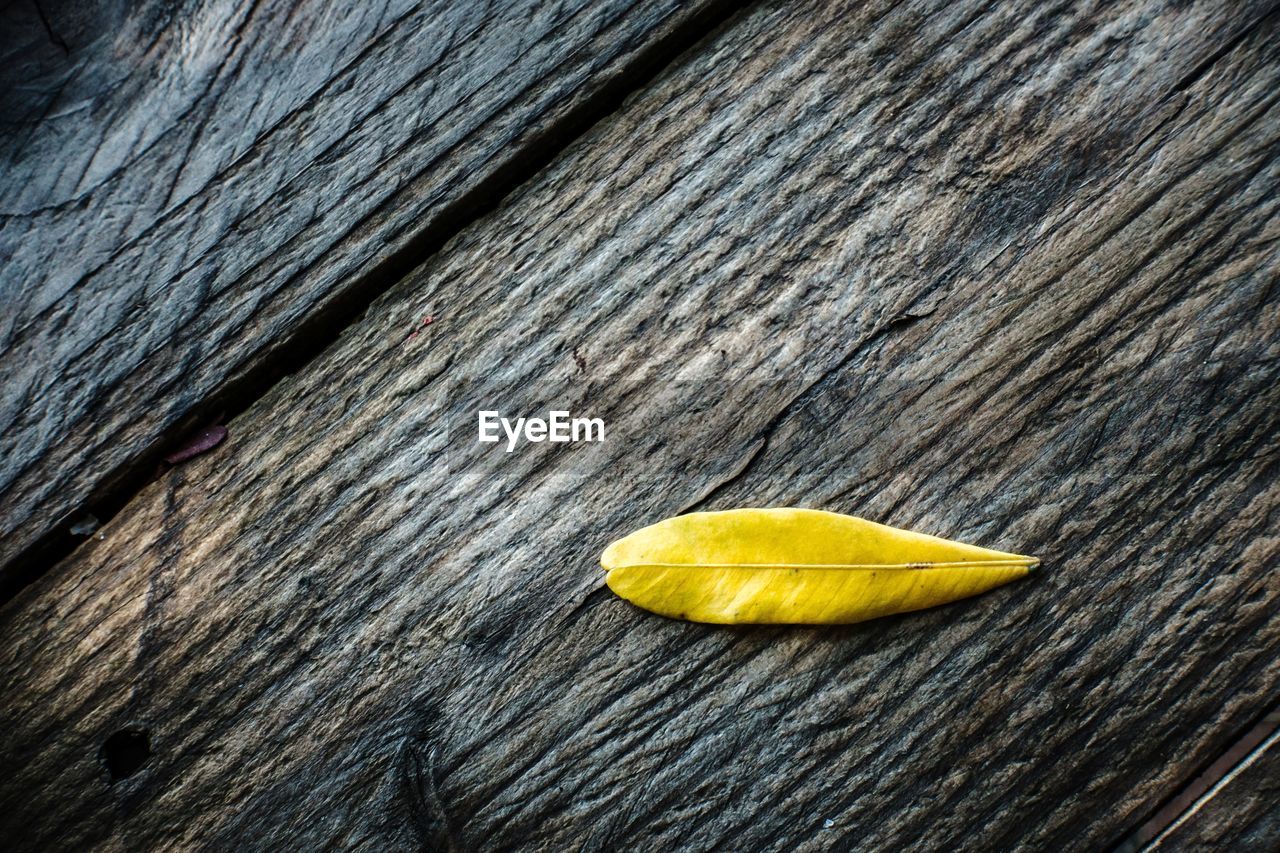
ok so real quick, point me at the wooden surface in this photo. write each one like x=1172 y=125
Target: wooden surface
x=196 y=194
x=1004 y=275
x=1241 y=813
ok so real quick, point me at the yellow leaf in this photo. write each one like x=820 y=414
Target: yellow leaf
x=800 y=566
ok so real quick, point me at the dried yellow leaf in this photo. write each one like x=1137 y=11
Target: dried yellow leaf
x=799 y=566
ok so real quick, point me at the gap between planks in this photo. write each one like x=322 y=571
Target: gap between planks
x=1185 y=804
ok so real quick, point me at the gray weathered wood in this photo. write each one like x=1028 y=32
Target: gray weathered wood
x=1005 y=275
x=186 y=187
x=1241 y=813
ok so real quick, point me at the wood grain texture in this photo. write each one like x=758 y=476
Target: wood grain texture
x=1241 y=812
x=187 y=185
x=1005 y=275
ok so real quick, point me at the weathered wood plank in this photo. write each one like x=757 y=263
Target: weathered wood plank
x=1240 y=811
x=192 y=191
x=1004 y=274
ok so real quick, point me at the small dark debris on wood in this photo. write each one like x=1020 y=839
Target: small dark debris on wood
x=204 y=441
x=426 y=321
